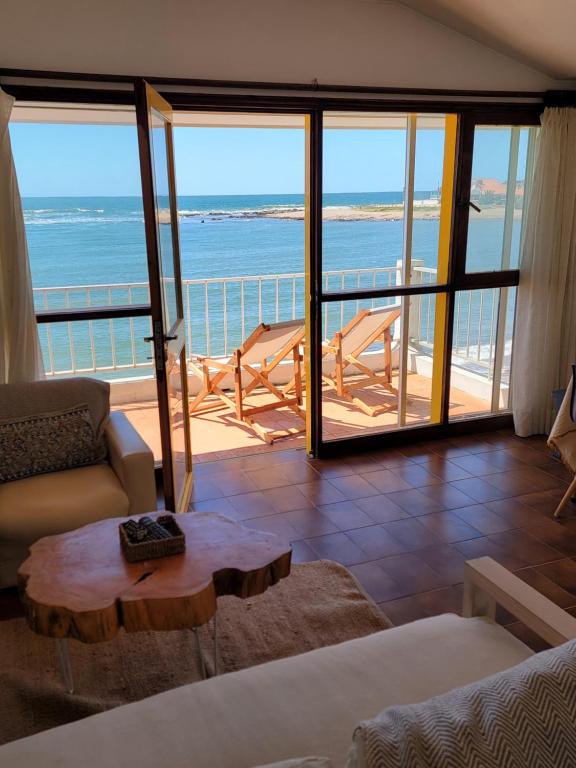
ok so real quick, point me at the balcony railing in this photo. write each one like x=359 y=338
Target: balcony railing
x=220 y=312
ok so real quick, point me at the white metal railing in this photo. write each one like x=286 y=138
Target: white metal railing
x=220 y=312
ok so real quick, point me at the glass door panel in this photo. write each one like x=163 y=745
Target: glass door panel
x=168 y=337
x=378 y=365
x=482 y=352
x=501 y=176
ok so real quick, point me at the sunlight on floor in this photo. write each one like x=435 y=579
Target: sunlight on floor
x=219 y=435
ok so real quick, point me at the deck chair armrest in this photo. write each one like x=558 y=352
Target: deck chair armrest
x=211 y=363
x=488 y=584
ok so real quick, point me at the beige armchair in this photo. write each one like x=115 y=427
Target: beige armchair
x=55 y=502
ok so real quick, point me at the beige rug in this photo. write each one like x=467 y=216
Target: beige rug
x=319 y=604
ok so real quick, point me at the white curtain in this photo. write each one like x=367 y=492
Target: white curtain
x=20 y=353
x=545 y=335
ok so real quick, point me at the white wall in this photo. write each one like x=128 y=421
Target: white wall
x=357 y=42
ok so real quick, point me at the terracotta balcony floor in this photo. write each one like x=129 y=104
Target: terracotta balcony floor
x=219 y=435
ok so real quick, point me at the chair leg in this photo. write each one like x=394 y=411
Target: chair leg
x=566 y=498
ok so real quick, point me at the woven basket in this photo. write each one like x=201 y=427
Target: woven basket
x=150 y=550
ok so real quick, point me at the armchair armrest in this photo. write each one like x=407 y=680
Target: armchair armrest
x=133 y=462
x=487 y=584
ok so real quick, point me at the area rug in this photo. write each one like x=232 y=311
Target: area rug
x=319 y=604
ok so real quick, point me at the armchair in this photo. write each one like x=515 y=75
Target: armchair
x=55 y=502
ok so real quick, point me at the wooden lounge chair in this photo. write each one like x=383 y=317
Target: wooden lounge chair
x=250 y=367
x=365 y=329
x=563 y=439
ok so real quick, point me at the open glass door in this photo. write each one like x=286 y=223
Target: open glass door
x=154 y=116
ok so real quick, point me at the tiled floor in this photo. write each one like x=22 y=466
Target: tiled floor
x=404 y=521
x=219 y=435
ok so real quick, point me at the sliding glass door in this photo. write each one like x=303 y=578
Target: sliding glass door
x=422 y=220
x=496 y=188
x=387 y=211
x=168 y=327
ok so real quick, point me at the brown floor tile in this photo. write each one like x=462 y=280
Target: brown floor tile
x=446 y=496
x=485 y=547
x=302 y=552
x=277 y=524
x=525 y=547
x=415 y=502
x=286 y=499
x=253 y=504
x=404 y=610
x=375 y=581
x=545 y=502
x=561 y=572
x=479 y=490
x=554 y=533
x=353 y=487
x=446 y=600
x=268 y=477
x=216 y=507
x=321 y=492
x=515 y=513
x=521 y=481
x=411 y=534
x=338 y=547
x=232 y=483
x=547 y=587
x=310 y=522
x=332 y=467
x=204 y=488
x=482 y=519
x=445 y=469
x=410 y=574
x=477 y=464
x=448 y=527
x=376 y=542
x=381 y=509
x=386 y=481
x=346 y=515
x=300 y=472
x=446 y=561
x=416 y=475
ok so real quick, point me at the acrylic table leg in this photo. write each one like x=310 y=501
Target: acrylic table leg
x=215 y=643
x=201 y=661
x=65 y=664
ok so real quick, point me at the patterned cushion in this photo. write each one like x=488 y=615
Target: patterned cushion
x=524 y=716
x=49 y=442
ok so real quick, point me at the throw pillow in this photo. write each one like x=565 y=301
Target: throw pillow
x=49 y=442
x=521 y=717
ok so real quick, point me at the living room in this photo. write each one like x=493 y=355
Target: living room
x=287 y=420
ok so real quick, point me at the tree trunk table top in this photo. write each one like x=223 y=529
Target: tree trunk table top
x=79 y=585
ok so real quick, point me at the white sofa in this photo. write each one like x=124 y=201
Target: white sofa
x=56 y=502
x=307 y=704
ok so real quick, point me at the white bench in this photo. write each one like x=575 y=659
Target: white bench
x=307 y=704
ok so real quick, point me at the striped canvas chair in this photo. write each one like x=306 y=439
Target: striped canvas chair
x=249 y=367
x=342 y=355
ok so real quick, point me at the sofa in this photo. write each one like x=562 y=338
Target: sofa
x=308 y=704
x=121 y=483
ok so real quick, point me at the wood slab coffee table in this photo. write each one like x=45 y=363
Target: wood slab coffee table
x=78 y=584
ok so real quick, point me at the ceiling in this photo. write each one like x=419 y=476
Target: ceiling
x=540 y=33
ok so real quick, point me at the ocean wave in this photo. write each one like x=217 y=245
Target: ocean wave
x=83 y=220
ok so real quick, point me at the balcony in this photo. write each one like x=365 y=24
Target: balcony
x=221 y=312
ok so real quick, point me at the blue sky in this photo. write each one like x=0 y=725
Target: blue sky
x=83 y=160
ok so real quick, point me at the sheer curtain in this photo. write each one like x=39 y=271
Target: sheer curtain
x=545 y=336
x=20 y=353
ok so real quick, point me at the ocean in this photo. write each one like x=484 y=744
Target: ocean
x=82 y=241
